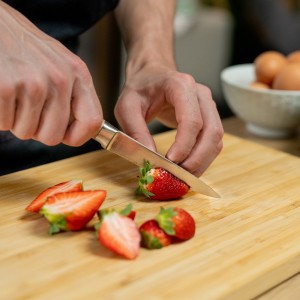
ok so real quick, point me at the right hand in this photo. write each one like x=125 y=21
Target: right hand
x=42 y=84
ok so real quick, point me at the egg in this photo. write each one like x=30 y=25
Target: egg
x=294 y=56
x=288 y=78
x=267 y=65
x=259 y=85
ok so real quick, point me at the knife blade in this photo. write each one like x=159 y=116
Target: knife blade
x=123 y=145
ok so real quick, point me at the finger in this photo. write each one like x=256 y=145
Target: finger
x=53 y=121
x=204 y=164
x=86 y=114
x=209 y=142
x=189 y=119
x=131 y=117
x=30 y=100
x=7 y=104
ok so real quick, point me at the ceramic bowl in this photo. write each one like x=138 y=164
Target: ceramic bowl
x=266 y=112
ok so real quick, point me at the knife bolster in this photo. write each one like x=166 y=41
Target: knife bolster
x=106 y=134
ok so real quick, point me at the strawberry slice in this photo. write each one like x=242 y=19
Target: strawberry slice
x=72 y=210
x=159 y=184
x=176 y=222
x=153 y=237
x=119 y=234
x=68 y=186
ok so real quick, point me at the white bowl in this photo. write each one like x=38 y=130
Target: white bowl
x=267 y=113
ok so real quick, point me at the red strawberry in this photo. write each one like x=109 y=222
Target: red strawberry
x=153 y=237
x=72 y=210
x=119 y=234
x=176 y=222
x=132 y=215
x=68 y=186
x=159 y=184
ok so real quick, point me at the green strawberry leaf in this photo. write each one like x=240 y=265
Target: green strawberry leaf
x=127 y=210
x=54 y=228
x=149 y=241
x=164 y=219
x=57 y=221
x=145 y=180
x=96 y=226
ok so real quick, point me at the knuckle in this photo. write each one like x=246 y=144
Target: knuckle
x=94 y=123
x=218 y=133
x=207 y=91
x=186 y=78
x=7 y=91
x=59 y=80
x=219 y=147
x=35 y=87
x=196 y=122
x=80 y=67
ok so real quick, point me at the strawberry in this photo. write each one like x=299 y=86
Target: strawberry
x=176 y=222
x=127 y=212
x=153 y=237
x=72 y=210
x=159 y=184
x=68 y=186
x=119 y=234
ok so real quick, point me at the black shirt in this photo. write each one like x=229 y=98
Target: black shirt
x=64 y=20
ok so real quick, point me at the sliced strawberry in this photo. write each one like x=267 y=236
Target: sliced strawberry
x=126 y=212
x=68 y=186
x=153 y=237
x=176 y=222
x=159 y=184
x=119 y=234
x=72 y=210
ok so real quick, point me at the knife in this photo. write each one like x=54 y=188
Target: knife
x=123 y=145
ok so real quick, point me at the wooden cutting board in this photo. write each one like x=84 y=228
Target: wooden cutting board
x=246 y=242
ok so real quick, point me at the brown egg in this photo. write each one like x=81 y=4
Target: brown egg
x=267 y=65
x=294 y=57
x=259 y=85
x=288 y=78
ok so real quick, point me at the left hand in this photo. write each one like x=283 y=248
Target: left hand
x=177 y=101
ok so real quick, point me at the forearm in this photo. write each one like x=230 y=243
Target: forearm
x=147 y=30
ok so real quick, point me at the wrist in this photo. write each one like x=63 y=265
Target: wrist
x=148 y=56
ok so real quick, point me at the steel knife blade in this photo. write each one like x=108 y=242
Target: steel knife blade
x=123 y=145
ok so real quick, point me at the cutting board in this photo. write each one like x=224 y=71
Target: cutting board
x=246 y=242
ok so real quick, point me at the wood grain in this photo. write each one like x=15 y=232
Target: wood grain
x=246 y=242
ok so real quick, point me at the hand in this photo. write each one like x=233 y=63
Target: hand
x=177 y=101
x=42 y=84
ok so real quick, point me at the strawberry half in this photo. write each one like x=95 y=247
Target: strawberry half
x=74 y=185
x=119 y=234
x=176 y=222
x=72 y=210
x=153 y=237
x=159 y=184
